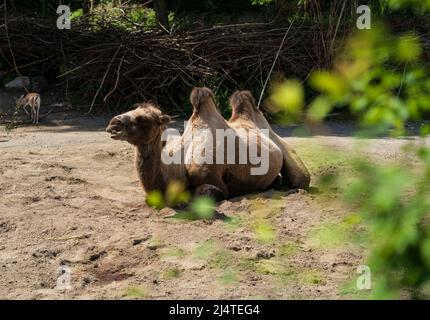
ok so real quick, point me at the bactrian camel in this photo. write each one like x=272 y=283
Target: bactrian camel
x=143 y=127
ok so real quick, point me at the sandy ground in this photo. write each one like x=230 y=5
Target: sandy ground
x=70 y=199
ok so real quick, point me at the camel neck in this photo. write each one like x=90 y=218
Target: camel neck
x=148 y=165
x=208 y=111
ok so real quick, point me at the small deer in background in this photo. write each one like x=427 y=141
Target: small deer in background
x=31 y=100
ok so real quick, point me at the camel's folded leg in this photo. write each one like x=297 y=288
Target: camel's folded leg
x=294 y=171
x=211 y=191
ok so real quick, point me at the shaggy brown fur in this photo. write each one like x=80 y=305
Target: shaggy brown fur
x=246 y=113
x=143 y=128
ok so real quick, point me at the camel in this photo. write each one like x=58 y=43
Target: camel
x=229 y=179
x=246 y=113
x=143 y=127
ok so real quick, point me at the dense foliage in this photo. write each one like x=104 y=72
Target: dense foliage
x=238 y=7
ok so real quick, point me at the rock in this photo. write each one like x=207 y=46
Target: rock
x=45 y=253
x=37 y=83
x=19 y=83
x=235 y=248
x=95 y=256
x=155 y=246
x=140 y=240
x=265 y=255
x=137 y=241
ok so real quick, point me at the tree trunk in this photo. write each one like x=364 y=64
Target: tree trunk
x=12 y=5
x=87 y=6
x=161 y=10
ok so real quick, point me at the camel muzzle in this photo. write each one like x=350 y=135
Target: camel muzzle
x=115 y=128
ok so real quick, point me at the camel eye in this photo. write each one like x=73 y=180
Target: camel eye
x=142 y=121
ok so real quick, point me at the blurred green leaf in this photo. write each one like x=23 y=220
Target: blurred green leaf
x=288 y=96
x=425 y=251
x=176 y=194
x=328 y=83
x=155 y=199
x=408 y=48
x=425 y=130
x=319 y=109
x=203 y=207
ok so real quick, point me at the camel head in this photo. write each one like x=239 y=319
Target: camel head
x=202 y=99
x=242 y=102
x=142 y=125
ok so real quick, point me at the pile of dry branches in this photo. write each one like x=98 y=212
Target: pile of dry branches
x=109 y=65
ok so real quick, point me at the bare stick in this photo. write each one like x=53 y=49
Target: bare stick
x=337 y=26
x=65 y=66
x=116 y=82
x=273 y=65
x=104 y=78
x=10 y=45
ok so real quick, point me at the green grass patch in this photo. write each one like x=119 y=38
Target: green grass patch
x=135 y=293
x=274 y=267
x=264 y=230
x=338 y=234
x=172 y=252
x=205 y=249
x=349 y=289
x=288 y=249
x=228 y=277
x=312 y=277
x=172 y=273
x=234 y=223
x=222 y=260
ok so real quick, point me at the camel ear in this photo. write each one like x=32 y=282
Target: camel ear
x=235 y=99
x=164 y=119
x=136 y=106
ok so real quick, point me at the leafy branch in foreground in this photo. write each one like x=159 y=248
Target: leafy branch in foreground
x=381 y=80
